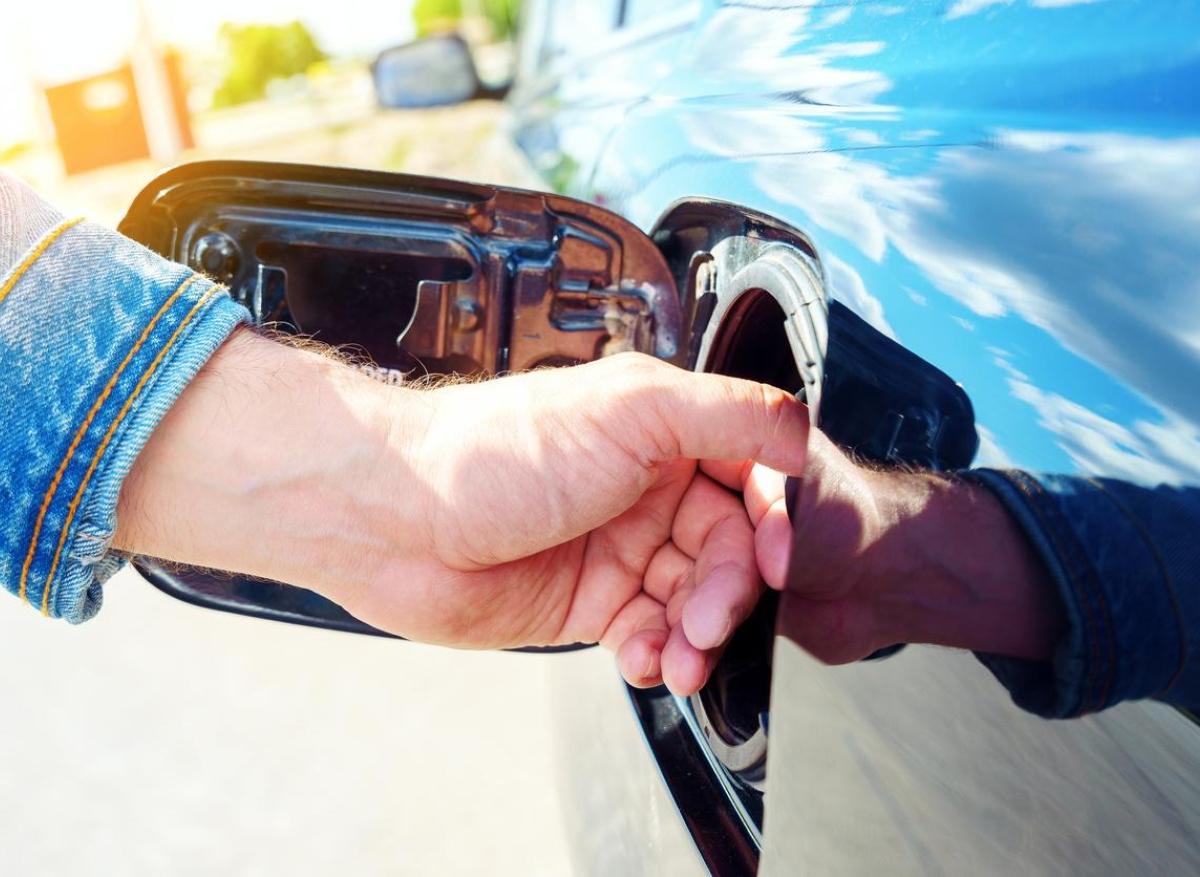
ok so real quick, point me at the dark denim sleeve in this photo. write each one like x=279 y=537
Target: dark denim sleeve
x=1126 y=562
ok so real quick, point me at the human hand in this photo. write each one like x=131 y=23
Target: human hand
x=567 y=506
x=588 y=504
x=871 y=557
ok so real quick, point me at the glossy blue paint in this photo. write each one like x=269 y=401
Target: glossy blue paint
x=1008 y=188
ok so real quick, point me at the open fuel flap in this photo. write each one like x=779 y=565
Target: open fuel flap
x=415 y=276
x=419 y=273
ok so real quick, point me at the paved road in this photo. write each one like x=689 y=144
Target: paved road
x=160 y=738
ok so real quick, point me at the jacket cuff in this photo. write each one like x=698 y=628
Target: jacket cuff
x=1124 y=636
x=104 y=335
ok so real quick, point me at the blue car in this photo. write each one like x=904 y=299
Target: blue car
x=966 y=231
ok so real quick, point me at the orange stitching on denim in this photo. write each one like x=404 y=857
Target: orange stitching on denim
x=51 y=236
x=150 y=370
x=83 y=428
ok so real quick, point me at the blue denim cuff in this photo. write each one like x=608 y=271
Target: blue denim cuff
x=1125 y=637
x=98 y=337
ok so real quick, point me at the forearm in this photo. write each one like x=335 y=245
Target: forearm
x=278 y=462
x=1077 y=593
x=955 y=570
x=886 y=556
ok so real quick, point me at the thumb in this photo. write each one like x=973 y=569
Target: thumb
x=714 y=417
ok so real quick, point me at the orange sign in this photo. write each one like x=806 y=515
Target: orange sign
x=98 y=121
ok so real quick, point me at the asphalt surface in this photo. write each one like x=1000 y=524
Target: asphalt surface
x=161 y=738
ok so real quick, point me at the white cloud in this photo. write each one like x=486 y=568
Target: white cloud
x=1091 y=237
x=1029 y=228
x=834 y=17
x=846 y=285
x=1000 y=358
x=744 y=46
x=990 y=453
x=962 y=8
x=919 y=134
x=1147 y=453
x=861 y=136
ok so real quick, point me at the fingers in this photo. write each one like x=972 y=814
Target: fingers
x=685 y=668
x=773 y=545
x=641 y=613
x=711 y=417
x=699 y=601
x=729 y=473
x=638 y=635
x=723 y=600
x=655 y=656
x=618 y=552
x=669 y=573
x=712 y=526
x=640 y=658
x=727 y=584
x=649 y=654
x=760 y=485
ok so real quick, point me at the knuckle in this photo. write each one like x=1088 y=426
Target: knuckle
x=632 y=365
x=775 y=408
x=644 y=401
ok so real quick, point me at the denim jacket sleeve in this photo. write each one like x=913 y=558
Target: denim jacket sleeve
x=98 y=336
x=1125 y=561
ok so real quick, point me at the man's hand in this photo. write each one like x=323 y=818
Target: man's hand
x=589 y=504
x=880 y=557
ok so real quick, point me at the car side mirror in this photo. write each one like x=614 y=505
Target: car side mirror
x=431 y=72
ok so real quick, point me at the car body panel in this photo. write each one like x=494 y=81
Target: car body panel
x=1048 y=239
x=920 y=764
x=1008 y=189
x=616 y=806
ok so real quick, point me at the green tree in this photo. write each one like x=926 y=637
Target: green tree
x=434 y=16
x=256 y=54
x=503 y=17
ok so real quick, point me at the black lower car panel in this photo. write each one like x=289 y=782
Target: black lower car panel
x=722 y=816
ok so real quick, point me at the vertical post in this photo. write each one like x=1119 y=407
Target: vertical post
x=159 y=115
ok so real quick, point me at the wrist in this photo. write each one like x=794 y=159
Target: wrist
x=955 y=570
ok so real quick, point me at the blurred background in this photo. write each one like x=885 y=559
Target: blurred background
x=161 y=738
x=96 y=96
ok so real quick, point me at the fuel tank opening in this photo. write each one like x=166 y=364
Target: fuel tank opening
x=733 y=709
x=752 y=343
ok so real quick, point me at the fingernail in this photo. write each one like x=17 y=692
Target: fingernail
x=711 y=642
x=726 y=630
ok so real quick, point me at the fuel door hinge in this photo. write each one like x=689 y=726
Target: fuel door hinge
x=625 y=313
